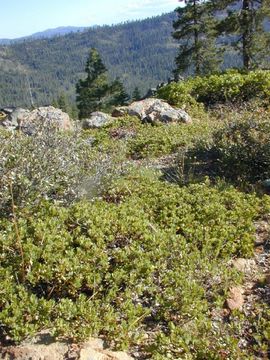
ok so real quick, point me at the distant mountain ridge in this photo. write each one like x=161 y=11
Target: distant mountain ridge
x=59 y=31
x=48 y=33
x=5 y=41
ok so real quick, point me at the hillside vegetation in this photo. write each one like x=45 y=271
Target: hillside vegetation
x=141 y=53
x=132 y=238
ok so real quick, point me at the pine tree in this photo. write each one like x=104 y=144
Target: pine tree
x=195 y=28
x=246 y=23
x=55 y=103
x=118 y=93
x=136 y=94
x=92 y=91
x=62 y=102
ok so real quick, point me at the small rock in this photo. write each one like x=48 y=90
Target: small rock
x=93 y=349
x=259 y=249
x=97 y=119
x=14 y=117
x=267 y=279
x=99 y=354
x=119 y=355
x=266 y=186
x=262 y=232
x=175 y=115
x=235 y=300
x=44 y=347
x=244 y=265
x=91 y=354
x=55 y=351
x=120 y=111
x=94 y=343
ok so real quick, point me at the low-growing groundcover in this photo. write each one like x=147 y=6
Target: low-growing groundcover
x=145 y=265
x=90 y=248
x=145 y=141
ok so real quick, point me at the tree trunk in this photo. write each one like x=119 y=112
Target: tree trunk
x=247 y=33
x=196 y=39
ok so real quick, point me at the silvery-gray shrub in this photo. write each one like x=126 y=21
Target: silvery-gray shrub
x=50 y=164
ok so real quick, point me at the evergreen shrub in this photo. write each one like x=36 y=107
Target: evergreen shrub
x=231 y=86
x=147 y=258
x=238 y=150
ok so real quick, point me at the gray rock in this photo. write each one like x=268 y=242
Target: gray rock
x=14 y=118
x=90 y=140
x=43 y=347
x=54 y=351
x=120 y=111
x=47 y=116
x=154 y=110
x=97 y=119
x=150 y=92
x=175 y=115
x=30 y=121
x=90 y=353
x=8 y=110
x=244 y=265
x=265 y=185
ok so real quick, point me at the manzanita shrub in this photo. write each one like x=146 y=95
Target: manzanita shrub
x=237 y=151
x=146 y=258
x=229 y=87
x=242 y=148
x=156 y=141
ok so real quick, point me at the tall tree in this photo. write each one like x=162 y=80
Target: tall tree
x=195 y=28
x=92 y=91
x=118 y=94
x=246 y=21
x=136 y=94
x=62 y=103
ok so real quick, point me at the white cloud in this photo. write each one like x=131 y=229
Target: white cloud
x=140 y=7
x=142 y=4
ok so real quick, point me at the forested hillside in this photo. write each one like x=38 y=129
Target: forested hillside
x=141 y=53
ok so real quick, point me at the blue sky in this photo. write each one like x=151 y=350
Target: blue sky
x=25 y=17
